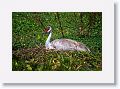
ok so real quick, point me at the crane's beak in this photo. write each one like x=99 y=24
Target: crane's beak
x=44 y=33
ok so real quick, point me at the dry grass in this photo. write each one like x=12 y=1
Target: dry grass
x=40 y=59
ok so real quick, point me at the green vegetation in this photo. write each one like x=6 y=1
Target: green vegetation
x=29 y=53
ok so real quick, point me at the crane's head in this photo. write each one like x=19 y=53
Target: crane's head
x=48 y=30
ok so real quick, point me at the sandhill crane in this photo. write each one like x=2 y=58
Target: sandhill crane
x=63 y=44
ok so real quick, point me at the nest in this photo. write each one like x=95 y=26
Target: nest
x=41 y=59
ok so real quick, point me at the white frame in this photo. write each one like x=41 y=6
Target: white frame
x=104 y=76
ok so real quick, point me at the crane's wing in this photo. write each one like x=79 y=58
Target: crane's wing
x=68 y=44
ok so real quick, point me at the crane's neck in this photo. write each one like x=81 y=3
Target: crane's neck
x=48 y=39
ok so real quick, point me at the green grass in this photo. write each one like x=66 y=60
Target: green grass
x=29 y=53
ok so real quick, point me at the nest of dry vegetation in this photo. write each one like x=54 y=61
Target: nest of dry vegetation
x=40 y=59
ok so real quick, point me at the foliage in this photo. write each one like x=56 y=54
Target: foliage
x=27 y=41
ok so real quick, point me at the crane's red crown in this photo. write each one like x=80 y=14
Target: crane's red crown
x=47 y=29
